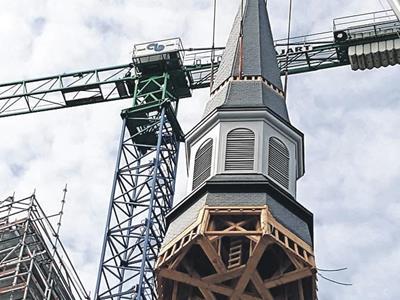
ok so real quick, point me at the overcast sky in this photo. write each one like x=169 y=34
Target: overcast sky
x=350 y=120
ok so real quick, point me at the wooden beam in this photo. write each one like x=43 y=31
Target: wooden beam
x=301 y=290
x=196 y=282
x=192 y=272
x=189 y=280
x=259 y=285
x=181 y=255
x=212 y=254
x=293 y=258
x=234 y=233
x=228 y=275
x=250 y=268
x=175 y=291
x=287 y=278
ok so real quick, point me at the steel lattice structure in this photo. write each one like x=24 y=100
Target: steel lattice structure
x=142 y=193
x=33 y=262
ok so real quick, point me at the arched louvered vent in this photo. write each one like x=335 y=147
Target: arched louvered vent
x=202 y=163
x=240 y=150
x=278 y=162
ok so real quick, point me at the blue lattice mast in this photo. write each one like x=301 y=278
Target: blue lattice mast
x=144 y=182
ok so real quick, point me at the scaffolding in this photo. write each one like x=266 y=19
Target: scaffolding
x=33 y=262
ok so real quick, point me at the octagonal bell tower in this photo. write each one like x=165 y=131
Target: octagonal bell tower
x=240 y=233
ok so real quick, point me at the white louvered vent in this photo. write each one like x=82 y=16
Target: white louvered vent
x=278 y=162
x=202 y=163
x=240 y=150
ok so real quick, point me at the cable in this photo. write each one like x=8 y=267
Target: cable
x=213 y=45
x=287 y=49
x=332 y=270
x=334 y=281
x=241 y=40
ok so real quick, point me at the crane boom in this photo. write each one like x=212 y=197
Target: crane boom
x=362 y=41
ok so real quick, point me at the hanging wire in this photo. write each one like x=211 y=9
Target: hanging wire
x=334 y=281
x=213 y=45
x=287 y=48
x=332 y=270
x=241 y=40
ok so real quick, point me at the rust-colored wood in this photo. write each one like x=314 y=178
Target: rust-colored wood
x=175 y=291
x=259 y=285
x=196 y=282
x=264 y=231
x=192 y=272
x=250 y=268
x=212 y=254
x=228 y=275
x=301 y=290
x=288 y=277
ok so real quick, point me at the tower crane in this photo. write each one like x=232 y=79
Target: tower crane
x=159 y=75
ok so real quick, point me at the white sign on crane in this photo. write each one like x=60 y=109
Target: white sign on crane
x=395 y=4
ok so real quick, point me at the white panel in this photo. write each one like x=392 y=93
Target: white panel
x=157 y=47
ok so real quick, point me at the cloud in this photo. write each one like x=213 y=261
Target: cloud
x=350 y=120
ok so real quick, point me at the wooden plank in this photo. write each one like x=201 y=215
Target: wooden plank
x=259 y=285
x=250 y=268
x=189 y=280
x=290 y=235
x=204 y=218
x=249 y=297
x=177 y=257
x=287 y=278
x=292 y=257
x=192 y=272
x=213 y=256
x=264 y=220
x=234 y=233
x=228 y=275
x=196 y=282
x=175 y=291
x=301 y=290
x=178 y=238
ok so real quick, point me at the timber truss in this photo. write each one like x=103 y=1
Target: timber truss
x=236 y=253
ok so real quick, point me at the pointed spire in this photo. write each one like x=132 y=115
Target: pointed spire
x=249 y=73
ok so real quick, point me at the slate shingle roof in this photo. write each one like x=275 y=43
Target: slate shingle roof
x=258 y=58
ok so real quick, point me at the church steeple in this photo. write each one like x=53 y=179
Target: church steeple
x=249 y=74
x=240 y=233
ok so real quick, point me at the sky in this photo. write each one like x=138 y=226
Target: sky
x=350 y=121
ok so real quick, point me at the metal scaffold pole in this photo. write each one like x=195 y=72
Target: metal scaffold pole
x=142 y=193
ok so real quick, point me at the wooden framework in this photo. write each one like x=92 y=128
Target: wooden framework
x=236 y=253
